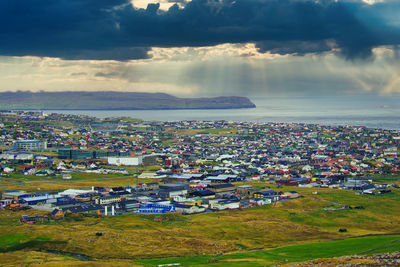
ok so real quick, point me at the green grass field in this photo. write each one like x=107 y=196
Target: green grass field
x=167 y=142
x=12 y=242
x=87 y=176
x=296 y=253
x=21 y=177
x=392 y=178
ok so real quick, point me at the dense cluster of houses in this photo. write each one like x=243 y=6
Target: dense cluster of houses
x=195 y=162
x=187 y=198
x=244 y=149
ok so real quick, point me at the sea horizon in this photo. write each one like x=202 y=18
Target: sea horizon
x=369 y=111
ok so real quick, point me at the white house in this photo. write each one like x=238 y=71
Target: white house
x=189 y=209
x=108 y=200
x=225 y=204
x=125 y=161
x=24 y=156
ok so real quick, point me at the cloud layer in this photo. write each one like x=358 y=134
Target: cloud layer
x=103 y=29
x=208 y=71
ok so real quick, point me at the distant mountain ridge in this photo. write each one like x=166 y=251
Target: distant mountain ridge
x=112 y=100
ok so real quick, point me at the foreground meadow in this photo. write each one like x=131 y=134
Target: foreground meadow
x=289 y=231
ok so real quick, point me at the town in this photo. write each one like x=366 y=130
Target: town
x=185 y=166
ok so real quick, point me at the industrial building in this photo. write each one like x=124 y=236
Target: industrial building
x=125 y=161
x=88 y=154
x=30 y=145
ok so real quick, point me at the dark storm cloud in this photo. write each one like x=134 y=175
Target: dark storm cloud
x=177 y=1
x=69 y=29
x=295 y=47
x=103 y=29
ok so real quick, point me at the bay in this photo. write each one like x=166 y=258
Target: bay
x=370 y=111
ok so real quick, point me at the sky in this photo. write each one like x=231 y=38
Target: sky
x=202 y=47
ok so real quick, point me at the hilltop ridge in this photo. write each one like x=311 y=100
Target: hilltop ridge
x=113 y=100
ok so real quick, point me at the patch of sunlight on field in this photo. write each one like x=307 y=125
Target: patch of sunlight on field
x=296 y=253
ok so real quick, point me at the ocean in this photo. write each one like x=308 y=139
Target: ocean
x=370 y=111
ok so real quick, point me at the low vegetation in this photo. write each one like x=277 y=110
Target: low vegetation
x=287 y=231
x=296 y=253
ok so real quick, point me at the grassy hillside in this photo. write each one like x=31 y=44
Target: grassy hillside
x=296 y=253
x=235 y=236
